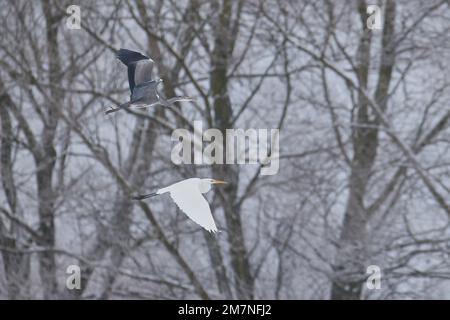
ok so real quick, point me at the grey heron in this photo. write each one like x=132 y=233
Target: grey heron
x=144 y=89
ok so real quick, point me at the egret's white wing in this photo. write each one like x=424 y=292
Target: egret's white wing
x=195 y=206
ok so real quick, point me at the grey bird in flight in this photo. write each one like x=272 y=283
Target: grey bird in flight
x=144 y=89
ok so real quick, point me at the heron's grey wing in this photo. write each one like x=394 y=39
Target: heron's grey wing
x=131 y=59
x=128 y=57
x=143 y=71
x=145 y=93
x=131 y=83
x=195 y=206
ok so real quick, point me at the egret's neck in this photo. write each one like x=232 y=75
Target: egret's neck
x=204 y=186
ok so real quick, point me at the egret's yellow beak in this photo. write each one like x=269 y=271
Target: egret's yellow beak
x=219 y=182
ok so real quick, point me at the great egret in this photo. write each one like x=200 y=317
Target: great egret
x=187 y=194
x=143 y=88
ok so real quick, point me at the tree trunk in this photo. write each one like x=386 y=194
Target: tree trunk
x=352 y=253
x=223 y=115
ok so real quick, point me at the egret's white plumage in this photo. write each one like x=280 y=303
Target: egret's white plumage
x=187 y=194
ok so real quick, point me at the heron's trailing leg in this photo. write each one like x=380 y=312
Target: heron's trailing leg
x=123 y=105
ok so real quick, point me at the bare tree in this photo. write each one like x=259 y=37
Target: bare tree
x=363 y=175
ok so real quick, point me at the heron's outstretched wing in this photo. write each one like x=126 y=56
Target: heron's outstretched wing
x=195 y=206
x=143 y=71
x=139 y=66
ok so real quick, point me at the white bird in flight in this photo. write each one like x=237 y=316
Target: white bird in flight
x=187 y=194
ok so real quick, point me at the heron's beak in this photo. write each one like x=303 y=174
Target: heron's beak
x=219 y=182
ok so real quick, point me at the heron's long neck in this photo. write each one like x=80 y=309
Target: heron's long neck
x=179 y=98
